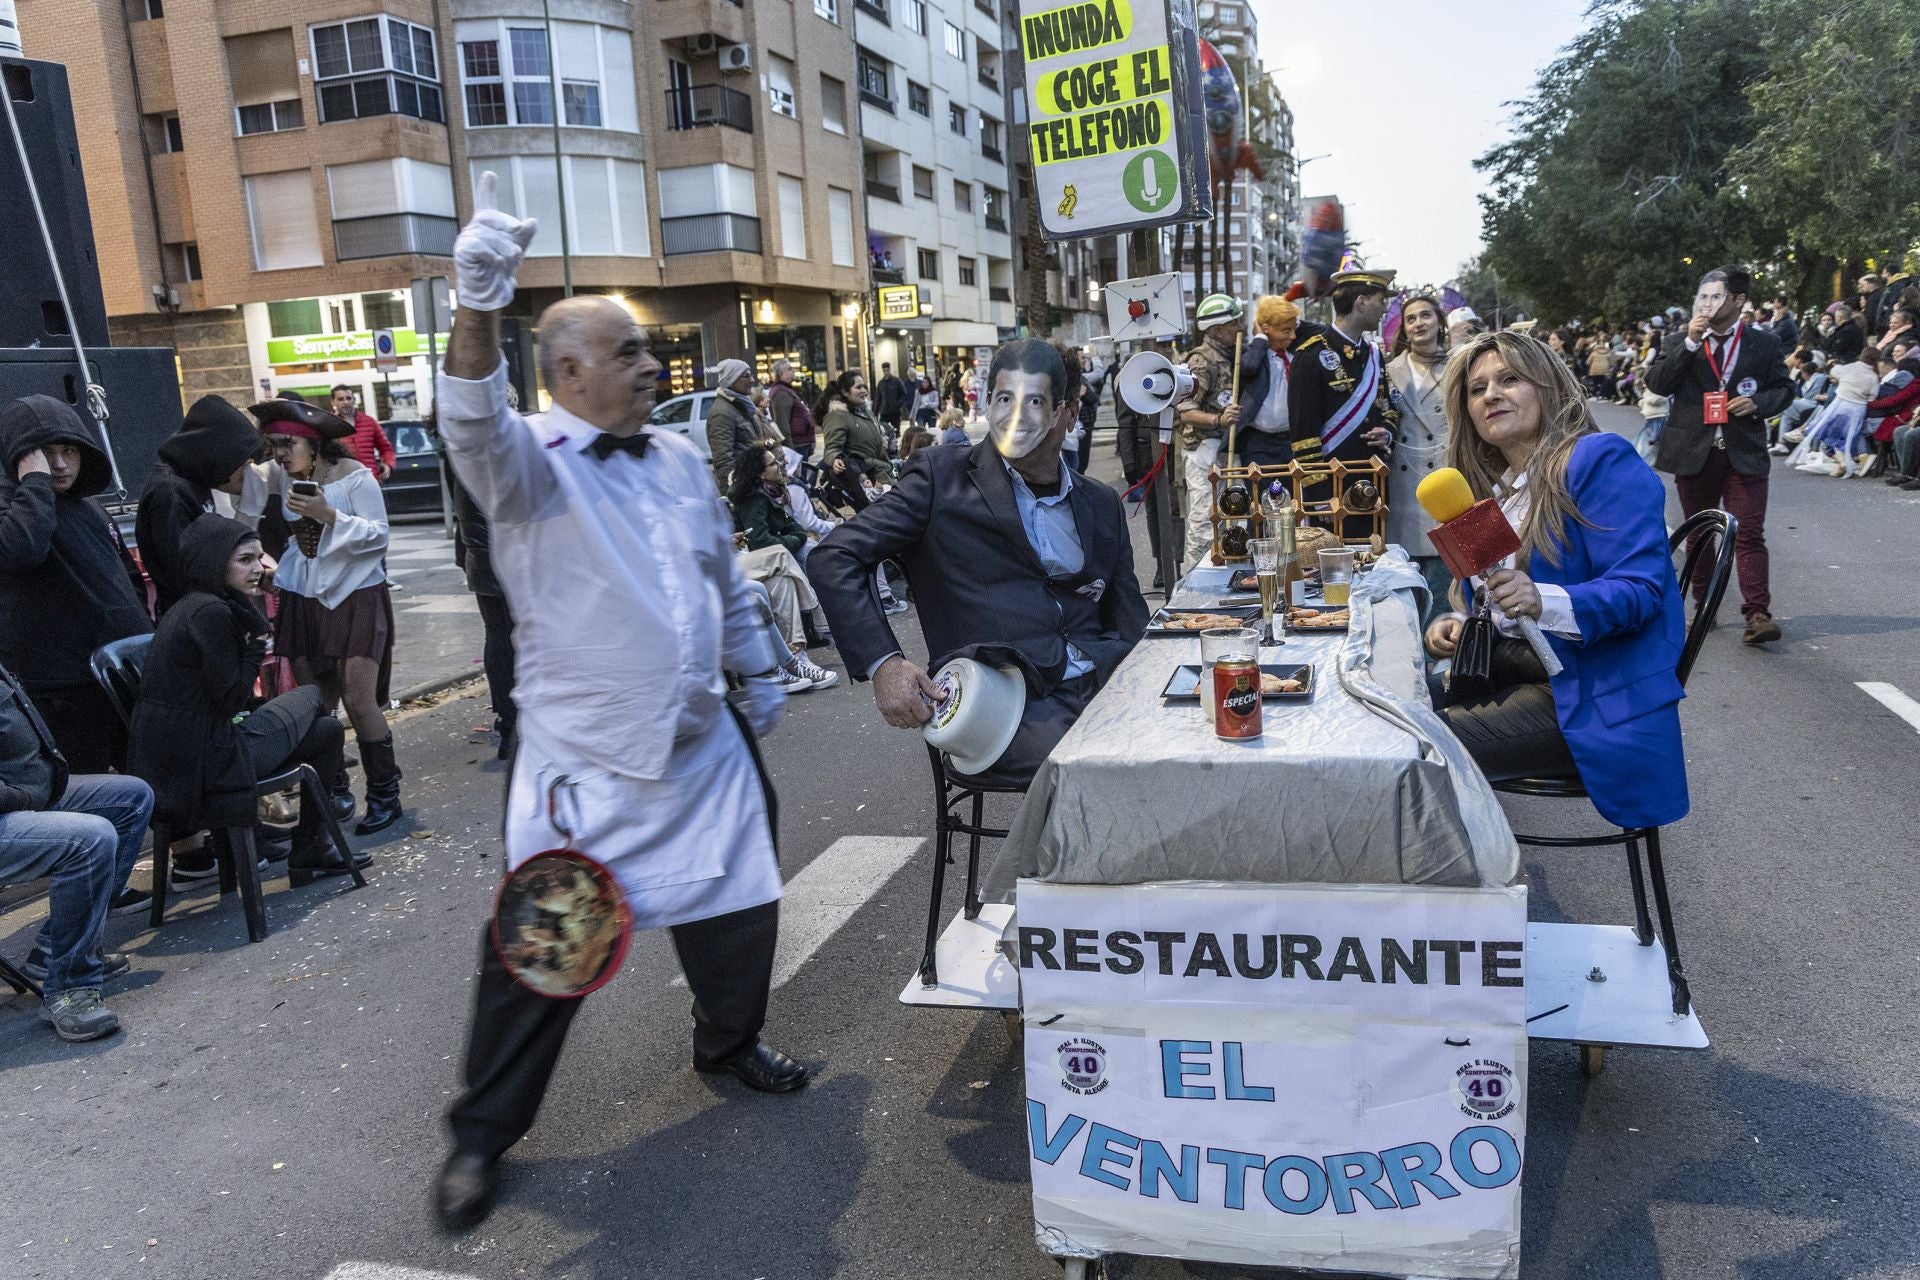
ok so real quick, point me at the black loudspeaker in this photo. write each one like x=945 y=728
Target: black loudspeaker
x=143 y=398
x=30 y=313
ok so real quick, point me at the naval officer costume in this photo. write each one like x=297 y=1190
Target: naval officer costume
x=628 y=605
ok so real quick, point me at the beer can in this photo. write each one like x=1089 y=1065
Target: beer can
x=1236 y=698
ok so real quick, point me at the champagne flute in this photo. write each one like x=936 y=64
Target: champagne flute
x=1266 y=571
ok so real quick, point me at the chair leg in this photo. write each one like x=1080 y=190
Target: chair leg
x=246 y=865
x=229 y=880
x=973 y=856
x=311 y=792
x=162 y=870
x=1642 y=922
x=1676 y=976
x=20 y=982
x=942 y=855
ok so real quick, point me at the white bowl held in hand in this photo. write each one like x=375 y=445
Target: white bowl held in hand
x=977 y=713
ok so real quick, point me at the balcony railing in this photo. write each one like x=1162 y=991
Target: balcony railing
x=874 y=9
x=698 y=106
x=991 y=79
x=391 y=234
x=889 y=275
x=999 y=293
x=986 y=7
x=882 y=190
x=992 y=153
x=875 y=97
x=710 y=233
x=996 y=223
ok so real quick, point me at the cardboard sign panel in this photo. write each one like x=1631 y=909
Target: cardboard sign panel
x=1114 y=124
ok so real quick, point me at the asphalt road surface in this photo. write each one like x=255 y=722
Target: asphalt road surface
x=272 y=1110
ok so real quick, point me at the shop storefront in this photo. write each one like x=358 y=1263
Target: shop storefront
x=311 y=345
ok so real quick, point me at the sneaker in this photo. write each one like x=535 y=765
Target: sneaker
x=820 y=677
x=1779 y=450
x=1894 y=477
x=791 y=680
x=1793 y=437
x=78 y=1015
x=188 y=869
x=130 y=902
x=113 y=964
x=1836 y=468
x=1761 y=629
x=895 y=605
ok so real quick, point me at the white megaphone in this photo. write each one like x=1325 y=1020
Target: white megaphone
x=1152 y=384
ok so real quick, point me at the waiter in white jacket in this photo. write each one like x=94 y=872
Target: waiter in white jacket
x=627 y=606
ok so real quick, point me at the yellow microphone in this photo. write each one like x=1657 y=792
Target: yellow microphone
x=1445 y=494
x=1472 y=538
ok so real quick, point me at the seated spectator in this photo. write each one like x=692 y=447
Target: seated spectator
x=67 y=584
x=1830 y=442
x=1812 y=392
x=82 y=833
x=207 y=455
x=856 y=444
x=953 y=427
x=770 y=542
x=1902 y=424
x=1013 y=560
x=369 y=443
x=194 y=741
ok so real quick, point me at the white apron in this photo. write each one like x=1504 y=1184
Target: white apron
x=693 y=844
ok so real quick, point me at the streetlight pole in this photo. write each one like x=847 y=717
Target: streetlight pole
x=559 y=165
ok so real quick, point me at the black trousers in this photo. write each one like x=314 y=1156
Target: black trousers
x=1044 y=722
x=1513 y=734
x=293 y=729
x=84 y=725
x=517 y=1035
x=497 y=619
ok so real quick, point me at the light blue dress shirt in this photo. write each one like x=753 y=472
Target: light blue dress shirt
x=1055 y=539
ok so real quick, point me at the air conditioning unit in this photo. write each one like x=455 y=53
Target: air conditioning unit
x=736 y=57
x=703 y=45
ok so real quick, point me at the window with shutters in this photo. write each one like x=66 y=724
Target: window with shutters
x=923 y=182
x=919 y=101
x=916 y=16
x=929 y=264
x=963 y=196
x=606 y=199
x=956 y=41
x=374 y=67
x=507 y=72
x=780 y=86
x=281 y=219
x=957 y=118
x=793 y=218
x=265 y=82
x=969 y=272
x=840 y=225
x=833 y=104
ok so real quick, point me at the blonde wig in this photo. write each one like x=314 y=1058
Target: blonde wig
x=1564 y=418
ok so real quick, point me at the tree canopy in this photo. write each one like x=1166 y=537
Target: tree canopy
x=1674 y=135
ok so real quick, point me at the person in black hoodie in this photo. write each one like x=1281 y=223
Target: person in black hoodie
x=82 y=833
x=208 y=453
x=193 y=738
x=66 y=581
x=473 y=552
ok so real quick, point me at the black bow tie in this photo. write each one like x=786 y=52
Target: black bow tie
x=604 y=445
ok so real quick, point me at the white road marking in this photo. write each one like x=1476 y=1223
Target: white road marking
x=1893 y=700
x=462 y=603
x=828 y=891
x=386 y=1271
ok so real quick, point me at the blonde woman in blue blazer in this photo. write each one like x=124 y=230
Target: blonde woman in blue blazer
x=1594 y=569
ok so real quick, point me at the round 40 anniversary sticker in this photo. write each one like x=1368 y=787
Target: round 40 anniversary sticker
x=1083 y=1065
x=1485 y=1089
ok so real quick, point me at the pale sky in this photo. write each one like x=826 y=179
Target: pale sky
x=1405 y=94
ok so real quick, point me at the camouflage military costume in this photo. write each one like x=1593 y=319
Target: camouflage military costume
x=1212 y=371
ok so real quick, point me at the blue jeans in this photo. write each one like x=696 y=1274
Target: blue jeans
x=86 y=846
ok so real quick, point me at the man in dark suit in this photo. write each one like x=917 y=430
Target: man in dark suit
x=1014 y=560
x=892 y=399
x=1725 y=379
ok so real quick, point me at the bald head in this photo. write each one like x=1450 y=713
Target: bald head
x=595 y=362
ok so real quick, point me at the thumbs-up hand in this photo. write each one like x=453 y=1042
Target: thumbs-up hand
x=487 y=253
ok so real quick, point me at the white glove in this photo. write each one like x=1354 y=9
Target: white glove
x=488 y=250
x=765 y=702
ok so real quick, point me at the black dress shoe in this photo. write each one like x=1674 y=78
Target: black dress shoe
x=762 y=1068
x=463 y=1197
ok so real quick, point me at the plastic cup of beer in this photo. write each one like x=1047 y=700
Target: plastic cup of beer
x=1336 y=576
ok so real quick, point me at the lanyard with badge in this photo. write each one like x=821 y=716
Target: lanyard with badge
x=1713 y=408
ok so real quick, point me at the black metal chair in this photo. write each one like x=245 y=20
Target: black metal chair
x=116 y=667
x=19 y=981
x=949 y=792
x=1704 y=533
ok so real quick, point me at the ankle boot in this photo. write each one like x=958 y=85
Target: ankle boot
x=383 y=787
x=340 y=796
x=315 y=855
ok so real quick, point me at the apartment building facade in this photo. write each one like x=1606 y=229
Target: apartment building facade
x=267 y=179
x=931 y=88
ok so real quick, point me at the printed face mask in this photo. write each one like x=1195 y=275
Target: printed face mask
x=1020 y=412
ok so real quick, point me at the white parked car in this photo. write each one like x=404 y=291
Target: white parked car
x=686 y=414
